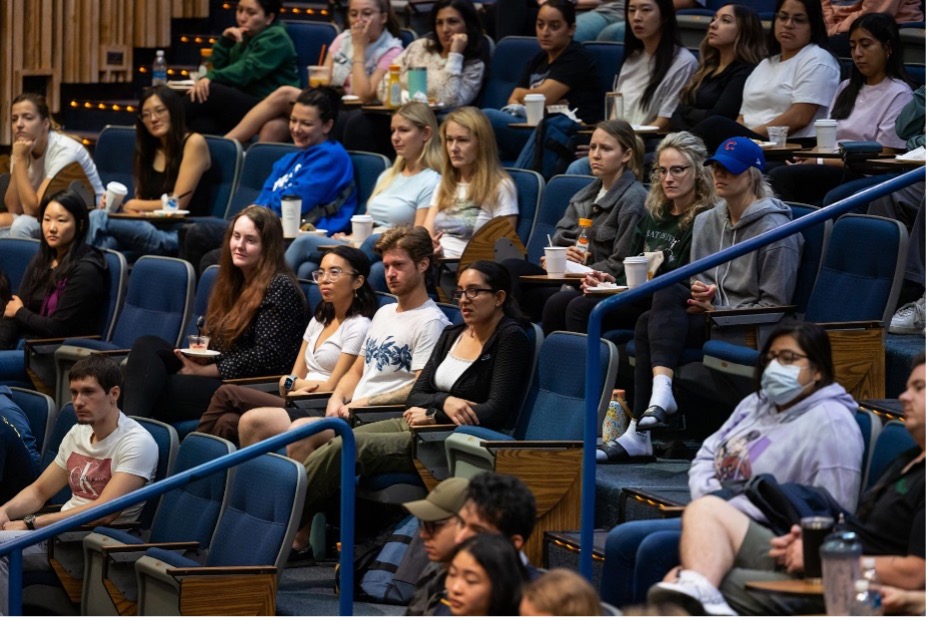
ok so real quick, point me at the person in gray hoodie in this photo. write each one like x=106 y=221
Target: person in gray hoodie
x=799 y=426
x=677 y=319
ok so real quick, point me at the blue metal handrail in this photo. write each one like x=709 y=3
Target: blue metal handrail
x=594 y=331
x=346 y=580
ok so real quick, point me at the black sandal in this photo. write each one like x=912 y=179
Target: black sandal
x=656 y=418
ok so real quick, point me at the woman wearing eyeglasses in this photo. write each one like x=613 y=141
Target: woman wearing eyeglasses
x=168 y=160
x=331 y=343
x=799 y=425
x=792 y=87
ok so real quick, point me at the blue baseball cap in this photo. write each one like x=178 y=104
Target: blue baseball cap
x=737 y=155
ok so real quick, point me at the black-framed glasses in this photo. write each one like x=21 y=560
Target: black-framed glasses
x=470 y=293
x=674 y=171
x=785 y=357
x=433 y=527
x=331 y=275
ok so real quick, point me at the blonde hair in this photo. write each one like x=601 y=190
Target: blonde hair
x=421 y=116
x=562 y=592
x=694 y=150
x=488 y=172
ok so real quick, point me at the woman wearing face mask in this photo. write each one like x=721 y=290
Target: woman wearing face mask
x=676 y=320
x=358 y=58
x=799 y=425
x=485 y=578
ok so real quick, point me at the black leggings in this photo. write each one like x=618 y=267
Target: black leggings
x=716 y=129
x=662 y=334
x=533 y=297
x=808 y=182
x=571 y=310
x=153 y=389
x=223 y=109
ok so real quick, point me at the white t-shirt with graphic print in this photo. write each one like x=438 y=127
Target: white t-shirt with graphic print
x=397 y=346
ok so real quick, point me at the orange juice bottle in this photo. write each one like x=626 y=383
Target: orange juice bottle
x=394 y=92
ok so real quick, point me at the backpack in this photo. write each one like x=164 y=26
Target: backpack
x=387 y=567
x=550 y=148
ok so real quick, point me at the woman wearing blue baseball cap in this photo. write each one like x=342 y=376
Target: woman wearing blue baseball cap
x=676 y=321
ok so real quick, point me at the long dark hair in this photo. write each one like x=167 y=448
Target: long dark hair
x=364 y=302
x=816 y=22
x=505 y=571
x=147 y=145
x=812 y=339
x=497 y=278
x=884 y=29
x=666 y=49
x=468 y=12
x=39 y=276
x=235 y=300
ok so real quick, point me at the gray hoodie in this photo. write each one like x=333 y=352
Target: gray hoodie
x=816 y=442
x=765 y=277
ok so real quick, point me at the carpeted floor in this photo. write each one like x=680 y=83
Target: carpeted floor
x=310 y=591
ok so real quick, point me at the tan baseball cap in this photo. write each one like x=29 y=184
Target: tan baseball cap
x=443 y=502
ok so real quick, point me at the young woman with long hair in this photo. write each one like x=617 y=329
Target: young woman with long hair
x=792 y=87
x=474 y=188
x=866 y=107
x=62 y=288
x=485 y=578
x=402 y=193
x=681 y=189
x=331 y=343
x=358 y=58
x=254 y=319
x=168 y=160
x=39 y=152
x=733 y=46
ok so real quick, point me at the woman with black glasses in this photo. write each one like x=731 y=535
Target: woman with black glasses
x=331 y=343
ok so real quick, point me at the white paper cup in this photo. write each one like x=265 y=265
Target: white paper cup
x=636 y=271
x=290 y=210
x=115 y=194
x=826 y=134
x=556 y=260
x=777 y=134
x=361 y=228
x=534 y=108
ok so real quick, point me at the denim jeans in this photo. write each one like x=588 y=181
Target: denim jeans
x=638 y=555
x=137 y=236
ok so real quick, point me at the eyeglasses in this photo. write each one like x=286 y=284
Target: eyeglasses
x=674 y=171
x=150 y=114
x=470 y=293
x=433 y=527
x=798 y=20
x=786 y=358
x=367 y=14
x=331 y=275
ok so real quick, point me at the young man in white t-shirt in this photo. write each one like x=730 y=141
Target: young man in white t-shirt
x=104 y=456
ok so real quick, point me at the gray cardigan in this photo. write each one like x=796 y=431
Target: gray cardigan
x=614 y=217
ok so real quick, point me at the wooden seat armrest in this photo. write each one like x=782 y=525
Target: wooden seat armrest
x=380 y=408
x=206 y=571
x=432 y=428
x=252 y=380
x=749 y=311
x=37 y=342
x=671 y=510
x=132 y=548
x=113 y=353
x=533 y=445
x=851 y=325
x=447 y=261
x=375 y=413
x=312 y=396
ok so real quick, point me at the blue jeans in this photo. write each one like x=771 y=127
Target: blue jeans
x=26 y=227
x=303 y=255
x=141 y=237
x=638 y=555
x=595 y=26
x=580 y=166
x=13 y=364
x=510 y=140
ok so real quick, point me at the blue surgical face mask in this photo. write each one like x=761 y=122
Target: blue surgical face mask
x=781 y=383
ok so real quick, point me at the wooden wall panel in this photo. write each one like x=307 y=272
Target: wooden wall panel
x=67 y=40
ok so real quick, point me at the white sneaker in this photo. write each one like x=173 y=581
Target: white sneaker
x=693 y=593
x=910 y=318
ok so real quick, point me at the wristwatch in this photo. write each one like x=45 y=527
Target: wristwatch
x=289 y=381
x=29 y=520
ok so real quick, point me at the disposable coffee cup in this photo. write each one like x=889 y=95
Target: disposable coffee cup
x=290 y=209
x=417 y=79
x=115 y=194
x=556 y=261
x=777 y=134
x=814 y=532
x=636 y=270
x=361 y=228
x=826 y=134
x=534 y=109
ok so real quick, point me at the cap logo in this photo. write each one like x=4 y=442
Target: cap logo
x=730 y=145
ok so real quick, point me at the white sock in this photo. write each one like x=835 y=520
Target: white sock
x=635 y=442
x=662 y=394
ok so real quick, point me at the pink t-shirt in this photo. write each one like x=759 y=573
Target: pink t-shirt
x=874 y=114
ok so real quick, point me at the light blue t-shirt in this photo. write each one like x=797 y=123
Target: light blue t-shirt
x=398 y=203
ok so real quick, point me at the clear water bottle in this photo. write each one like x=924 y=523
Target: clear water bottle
x=840 y=570
x=867 y=600
x=159 y=69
